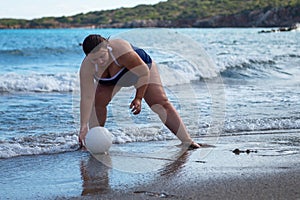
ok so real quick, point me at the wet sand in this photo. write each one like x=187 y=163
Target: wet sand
x=158 y=170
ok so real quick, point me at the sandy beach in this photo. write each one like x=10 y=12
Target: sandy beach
x=264 y=173
x=160 y=170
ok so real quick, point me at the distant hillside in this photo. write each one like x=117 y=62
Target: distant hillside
x=177 y=13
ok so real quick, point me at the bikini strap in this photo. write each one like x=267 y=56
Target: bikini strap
x=96 y=67
x=112 y=56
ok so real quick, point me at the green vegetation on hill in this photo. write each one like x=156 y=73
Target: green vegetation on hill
x=171 y=10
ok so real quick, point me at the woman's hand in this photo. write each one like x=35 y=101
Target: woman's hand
x=136 y=106
x=82 y=134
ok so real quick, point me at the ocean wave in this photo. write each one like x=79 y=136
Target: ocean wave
x=66 y=142
x=264 y=124
x=63 y=82
x=172 y=73
x=13 y=52
x=251 y=68
x=39 y=51
x=36 y=145
x=182 y=72
x=53 y=143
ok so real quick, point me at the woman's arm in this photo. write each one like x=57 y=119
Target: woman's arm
x=87 y=96
x=136 y=65
x=128 y=58
x=141 y=88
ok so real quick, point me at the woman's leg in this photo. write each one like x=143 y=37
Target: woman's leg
x=103 y=96
x=156 y=98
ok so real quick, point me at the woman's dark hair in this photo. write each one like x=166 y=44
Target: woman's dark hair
x=91 y=43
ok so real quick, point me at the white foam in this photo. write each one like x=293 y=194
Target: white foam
x=261 y=124
x=172 y=72
x=35 y=145
x=63 y=82
x=58 y=143
x=140 y=134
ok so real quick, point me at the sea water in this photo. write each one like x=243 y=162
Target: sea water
x=248 y=84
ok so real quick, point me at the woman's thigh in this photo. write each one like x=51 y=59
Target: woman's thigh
x=155 y=93
x=104 y=94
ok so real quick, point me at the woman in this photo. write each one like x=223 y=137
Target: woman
x=115 y=64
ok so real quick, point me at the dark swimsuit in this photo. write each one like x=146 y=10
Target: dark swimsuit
x=124 y=77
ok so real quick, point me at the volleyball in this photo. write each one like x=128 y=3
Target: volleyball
x=98 y=140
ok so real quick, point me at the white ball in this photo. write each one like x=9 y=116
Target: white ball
x=98 y=140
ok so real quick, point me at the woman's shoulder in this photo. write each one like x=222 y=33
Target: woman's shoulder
x=120 y=47
x=117 y=41
x=119 y=44
x=86 y=66
x=85 y=63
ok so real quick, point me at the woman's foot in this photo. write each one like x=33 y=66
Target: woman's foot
x=195 y=145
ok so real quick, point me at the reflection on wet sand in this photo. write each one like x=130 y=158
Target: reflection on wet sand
x=176 y=165
x=179 y=161
x=96 y=172
x=95 y=176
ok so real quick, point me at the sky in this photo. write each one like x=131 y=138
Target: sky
x=30 y=9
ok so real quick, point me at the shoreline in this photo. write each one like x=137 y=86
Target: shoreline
x=155 y=170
